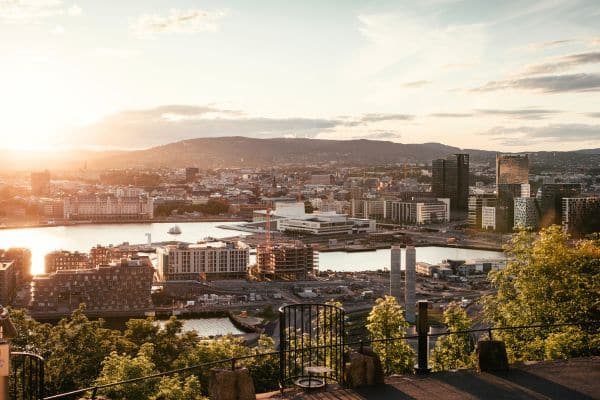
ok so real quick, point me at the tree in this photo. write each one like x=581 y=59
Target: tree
x=454 y=351
x=75 y=349
x=119 y=367
x=171 y=388
x=549 y=279
x=386 y=321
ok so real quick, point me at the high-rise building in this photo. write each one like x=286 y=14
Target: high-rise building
x=526 y=213
x=512 y=169
x=203 y=261
x=410 y=272
x=40 y=183
x=476 y=203
x=395 y=273
x=549 y=197
x=21 y=258
x=8 y=282
x=450 y=179
x=581 y=215
x=506 y=194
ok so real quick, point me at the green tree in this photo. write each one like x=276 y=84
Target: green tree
x=385 y=321
x=75 y=349
x=171 y=388
x=454 y=351
x=169 y=341
x=550 y=279
x=119 y=367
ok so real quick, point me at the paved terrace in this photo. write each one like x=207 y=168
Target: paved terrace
x=565 y=379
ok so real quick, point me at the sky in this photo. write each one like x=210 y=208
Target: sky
x=507 y=76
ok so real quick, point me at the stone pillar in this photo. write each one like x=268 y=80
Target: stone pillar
x=491 y=356
x=395 y=273
x=227 y=384
x=410 y=272
x=364 y=369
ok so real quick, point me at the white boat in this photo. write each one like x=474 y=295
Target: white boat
x=175 y=230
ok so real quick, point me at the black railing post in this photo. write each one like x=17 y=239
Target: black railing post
x=422 y=330
x=490 y=333
x=281 y=349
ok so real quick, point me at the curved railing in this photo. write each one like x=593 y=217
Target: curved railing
x=26 y=381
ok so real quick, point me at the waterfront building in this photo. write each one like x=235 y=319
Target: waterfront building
x=581 y=215
x=329 y=223
x=117 y=288
x=63 y=260
x=8 y=282
x=419 y=212
x=450 y=179
x=512 y=169
x=21 y=258
x=506 y=194
x=526 y=213
x=476 y=203
x=108 y=208
x=108 y=254
x=410 y=260
x=396 y=273
x=286 y=261
x=550 y=197
x=40 y=183
x=203 y=261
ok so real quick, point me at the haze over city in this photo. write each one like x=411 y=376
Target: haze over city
x=502 y=76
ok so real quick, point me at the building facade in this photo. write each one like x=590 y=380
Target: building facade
x=119 y=288
x=476 y=203
x=526 y=213
x=549 y=197
x=108 y=208
x=203 y=261
x=450 y=179
x=64 y=260
x=419 y=212
x=512 y=169
x=581 y=215
x=286 y=261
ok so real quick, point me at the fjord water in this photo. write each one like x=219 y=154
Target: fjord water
x=82 y=237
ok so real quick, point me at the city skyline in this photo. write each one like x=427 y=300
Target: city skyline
x=511 y=77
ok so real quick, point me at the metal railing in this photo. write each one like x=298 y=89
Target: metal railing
x=422 y=357
x=26 y=380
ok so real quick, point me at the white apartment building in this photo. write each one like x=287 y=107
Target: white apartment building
x=203 y=261
x=488 y=218
x=418 y=212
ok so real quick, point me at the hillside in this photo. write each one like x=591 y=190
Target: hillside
x=249 y=152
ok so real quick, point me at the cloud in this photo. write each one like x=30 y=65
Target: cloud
x=170 y=123
x=386 y=117
x=593 y=114
x=416 y=84
x=547 y=83
x=178 y=21
x=527 y=113
x=451 y=115
x=32 y=11
x=563 y=63
x=550 y=133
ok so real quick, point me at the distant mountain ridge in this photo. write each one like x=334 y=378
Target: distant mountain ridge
x=250 y=152
x=237 y=151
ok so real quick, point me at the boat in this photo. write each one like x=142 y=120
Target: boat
x=175 y=230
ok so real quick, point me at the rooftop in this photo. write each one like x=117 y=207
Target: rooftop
x=562 y=379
